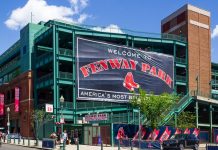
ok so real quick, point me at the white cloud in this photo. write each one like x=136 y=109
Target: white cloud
x=112 y=28
x=77 y=5
x=43 y=12
x=215 y=32
x=82 y=18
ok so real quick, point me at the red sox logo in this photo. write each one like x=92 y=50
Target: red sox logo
x=129 y=82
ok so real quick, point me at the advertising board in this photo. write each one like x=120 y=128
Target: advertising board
x=108 y=72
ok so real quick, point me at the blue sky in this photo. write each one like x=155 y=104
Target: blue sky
x=139 y=15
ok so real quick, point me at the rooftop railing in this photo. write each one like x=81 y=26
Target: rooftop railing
x=10 y=50
x=44 y=29
x=135 y=33
x=10 y=64
x=113 y=29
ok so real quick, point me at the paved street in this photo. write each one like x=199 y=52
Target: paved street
x=15 y=147
x=82 y=147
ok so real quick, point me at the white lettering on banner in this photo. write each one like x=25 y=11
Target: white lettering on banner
x=119 y=96
x=96 y=117
x=93 y=94
x=103 y=95
x=127 y=53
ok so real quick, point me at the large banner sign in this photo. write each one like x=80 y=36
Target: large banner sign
x=110 y=72
x=17 y=99
x=2 y=103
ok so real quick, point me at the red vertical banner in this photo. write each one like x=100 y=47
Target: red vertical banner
x=17 y=99
x=2 y=104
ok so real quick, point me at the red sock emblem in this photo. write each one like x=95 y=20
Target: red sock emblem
x=129 y=82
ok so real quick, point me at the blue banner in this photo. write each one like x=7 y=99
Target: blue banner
x=110 y=72
x=125 y=133
x=215 y=133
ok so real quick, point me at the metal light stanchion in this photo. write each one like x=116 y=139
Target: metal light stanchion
x=78 y=144
x=14 y=140
x=8 y=124
x=61 y=121
x=139 y=129
x=118 y=144
x=19 y=140
x=28 y=141
x=23 y=141
x=131 y=145
x=101 y=145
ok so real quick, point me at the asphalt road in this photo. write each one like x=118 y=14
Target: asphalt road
x=13 y=147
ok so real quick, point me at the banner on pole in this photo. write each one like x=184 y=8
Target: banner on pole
x=17 y=99
x=2 y=103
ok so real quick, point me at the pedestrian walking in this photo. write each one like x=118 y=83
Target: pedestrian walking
x=1 y=136
x=64 y=136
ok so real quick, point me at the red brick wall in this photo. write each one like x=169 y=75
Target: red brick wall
x=199 y=54
x=24 y=82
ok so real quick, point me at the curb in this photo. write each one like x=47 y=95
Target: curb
x=36 y=147
x=23 y=145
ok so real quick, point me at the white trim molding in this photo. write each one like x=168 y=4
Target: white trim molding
x=202 y=25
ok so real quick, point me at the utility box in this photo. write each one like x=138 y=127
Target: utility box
x=48 y=143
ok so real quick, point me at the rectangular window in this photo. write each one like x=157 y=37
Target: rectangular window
x=166 y=26
x=180 y=18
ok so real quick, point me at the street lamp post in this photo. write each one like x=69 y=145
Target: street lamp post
x=8 y=123
x=139 y=129
x=62 y=121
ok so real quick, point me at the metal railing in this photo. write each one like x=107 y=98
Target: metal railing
x=65 y=75
x=177 y=107
x=94 y=104
x=65 y=52
x=10 y=63
x=135 y=33
x=45 y=78
x=43 y=56
x=11 y=49
x=44 y=29
x=180 y=78
x=181 y=60
x=204 y=94
x=68 y=105
x=214 y=70
x=114 y=29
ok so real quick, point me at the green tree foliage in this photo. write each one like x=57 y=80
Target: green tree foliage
x=39 y=117
x=153 y=106
x=186 y=119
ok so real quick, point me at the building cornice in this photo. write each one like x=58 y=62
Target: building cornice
x=184 y=8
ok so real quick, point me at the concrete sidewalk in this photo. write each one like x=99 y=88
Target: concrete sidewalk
x=74 y=147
